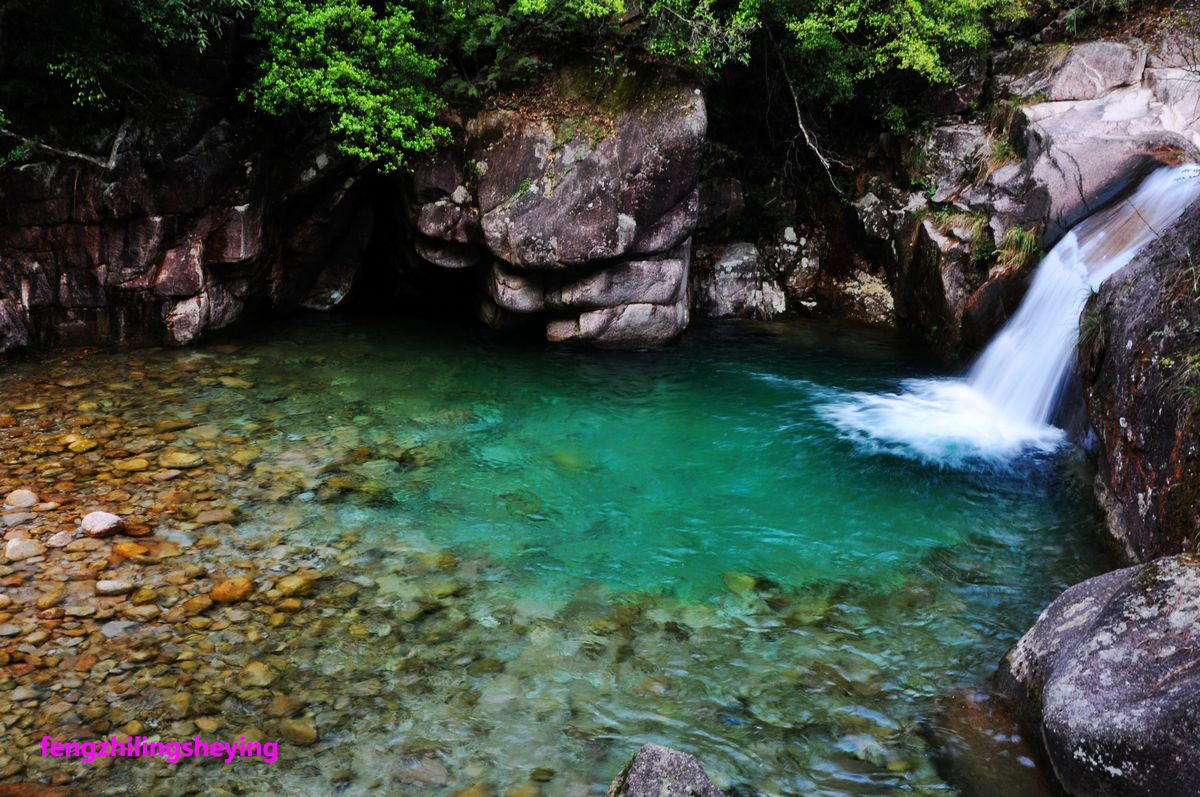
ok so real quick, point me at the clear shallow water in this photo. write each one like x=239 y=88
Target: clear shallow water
x=673 y=546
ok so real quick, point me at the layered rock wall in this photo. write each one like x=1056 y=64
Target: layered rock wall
x=186 y=228
x=576 y=211
x=578 y=207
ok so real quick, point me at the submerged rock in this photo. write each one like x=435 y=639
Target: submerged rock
x=232 y=590
x=18 y=550
x=1111 y=674
x=658 y=771
x=980 y=748
x=21 y=499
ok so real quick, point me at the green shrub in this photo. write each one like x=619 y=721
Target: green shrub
x=1018 y=249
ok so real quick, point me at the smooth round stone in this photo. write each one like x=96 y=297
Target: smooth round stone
x=205 y=432
x=212 y=516
x=301 y=730
x=476 y=790
x=21 y=499
x=135 y=465
x=83 y=446
x=114 y=628
x=232 y=590
x=180 y=460
x=113 y=587
x=295 y=584
x=739 y=583
x=17 y=550
x=60 y=539
x=256 y=674
x=102 y=524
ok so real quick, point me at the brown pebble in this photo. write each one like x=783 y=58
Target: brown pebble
x=232 y=590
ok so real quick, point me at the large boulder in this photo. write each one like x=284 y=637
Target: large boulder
x=658 y=771
x=580 y=204
x=1110 y=673
x=1139 y=359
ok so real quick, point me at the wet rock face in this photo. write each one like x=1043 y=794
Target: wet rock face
x=941 y=278
x=1139 y=346
x=582 y=213
x=178 y=234
x=658 y=771
x=1110 y=673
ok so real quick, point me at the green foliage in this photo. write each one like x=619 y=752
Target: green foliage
x=367 y=71
x=190 y=22
x=836 y=48
x=973 y=223
x=973 y=227
x=1091 y=329
x=588 y=9
x=1184 y=378
x=1018 y=249
x=380 y=71
x=19 y=153
x=696 y=32
x=105 y=52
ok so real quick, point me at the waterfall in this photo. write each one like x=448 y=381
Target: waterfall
x=1005 y=405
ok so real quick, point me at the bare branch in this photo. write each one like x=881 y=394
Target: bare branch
x=827 y=161
x=107 y=165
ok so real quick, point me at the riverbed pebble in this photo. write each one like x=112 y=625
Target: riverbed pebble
x=101 y=524
x=19 y=550
x=232 y=590
x=21 y=499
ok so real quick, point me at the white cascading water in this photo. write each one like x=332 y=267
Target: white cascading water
x=1005 y=404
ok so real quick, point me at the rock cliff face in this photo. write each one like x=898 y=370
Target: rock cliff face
x=578 y=208
x=576 y=211
x=1139 y=357
x=1066 y=136
x=1109 y=672
x=185 y=229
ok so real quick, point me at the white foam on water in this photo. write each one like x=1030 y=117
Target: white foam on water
x=1004 y=407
